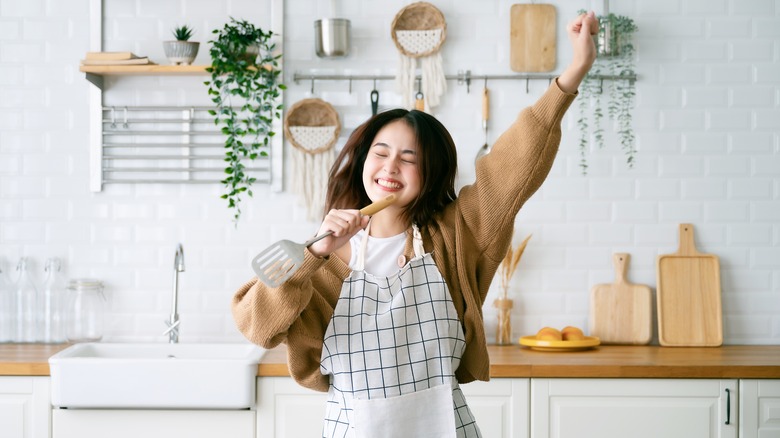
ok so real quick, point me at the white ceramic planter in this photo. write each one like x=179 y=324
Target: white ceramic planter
x=181 y=52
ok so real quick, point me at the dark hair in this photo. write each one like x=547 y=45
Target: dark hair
x=437 y=163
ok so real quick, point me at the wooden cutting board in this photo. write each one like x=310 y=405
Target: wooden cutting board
x=532 y=38
x=689 y=303
x=621 y=312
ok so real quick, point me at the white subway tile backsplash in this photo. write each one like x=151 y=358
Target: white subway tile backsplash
x=752 y=51
x=729 y=74
x=750 y=188
x=754 y=7
x=727 y=212
x=636 y=212
x=738 y=27
x=766 y=166
x=706 y=122
x=686 y=212
x=728 y=120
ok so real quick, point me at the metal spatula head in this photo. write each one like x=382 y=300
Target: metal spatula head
x=279 y=261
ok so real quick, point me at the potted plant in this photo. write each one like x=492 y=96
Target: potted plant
x=245 y=88
x=182 y=50
x=615 y=58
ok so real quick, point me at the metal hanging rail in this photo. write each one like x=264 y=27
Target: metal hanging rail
x=463 y=77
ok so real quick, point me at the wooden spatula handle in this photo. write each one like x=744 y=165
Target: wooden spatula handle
x=377 y=206
x=485 y=106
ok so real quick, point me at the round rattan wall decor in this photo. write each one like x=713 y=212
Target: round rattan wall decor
x=312 y=125
x=419 y=29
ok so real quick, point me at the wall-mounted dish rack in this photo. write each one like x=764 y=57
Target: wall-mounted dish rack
x=164 y=144
x=156 y=144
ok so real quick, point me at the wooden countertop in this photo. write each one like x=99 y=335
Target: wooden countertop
x=732 y=361
x=613 y=361
x=27 y=359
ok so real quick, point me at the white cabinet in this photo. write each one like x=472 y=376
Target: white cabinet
x=101 y=423
x=637 y=408
x=285 y=409
x=500 y=406
x=759 y=408
x=24 y=407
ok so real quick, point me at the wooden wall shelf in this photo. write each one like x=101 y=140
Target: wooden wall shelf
x=149 y=69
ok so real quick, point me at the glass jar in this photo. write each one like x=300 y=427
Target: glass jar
x=7 y=313
x=26 y=303
x=86 y=306
x=51 y=304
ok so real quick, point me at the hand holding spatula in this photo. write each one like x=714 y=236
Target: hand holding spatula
x=279 y=261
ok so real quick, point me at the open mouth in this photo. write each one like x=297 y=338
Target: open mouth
x=388 y=184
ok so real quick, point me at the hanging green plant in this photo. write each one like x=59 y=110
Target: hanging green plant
x=245 y=89
x=615 y=59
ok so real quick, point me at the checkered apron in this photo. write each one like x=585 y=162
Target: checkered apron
x=392 y=339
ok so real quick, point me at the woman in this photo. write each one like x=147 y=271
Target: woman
x=385 y=314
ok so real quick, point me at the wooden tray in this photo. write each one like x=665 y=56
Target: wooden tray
x=621 y=312
x=689 y=302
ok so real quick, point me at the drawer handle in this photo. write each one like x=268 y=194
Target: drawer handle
x=728 y=406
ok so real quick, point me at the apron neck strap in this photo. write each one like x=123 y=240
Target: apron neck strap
x=417 y=242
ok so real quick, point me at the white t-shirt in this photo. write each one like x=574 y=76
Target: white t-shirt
x=382 y=253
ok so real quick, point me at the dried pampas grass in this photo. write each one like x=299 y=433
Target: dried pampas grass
x=509 y=265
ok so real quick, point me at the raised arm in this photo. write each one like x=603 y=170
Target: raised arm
x=580 y=32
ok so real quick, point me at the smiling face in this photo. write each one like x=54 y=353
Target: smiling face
x=391 y=165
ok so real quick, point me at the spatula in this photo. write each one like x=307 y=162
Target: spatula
x=279 y=261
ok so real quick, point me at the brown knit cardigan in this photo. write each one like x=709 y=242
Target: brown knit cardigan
x=468 y=241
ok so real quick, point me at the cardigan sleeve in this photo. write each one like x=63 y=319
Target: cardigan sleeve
x=296 y=313
x=516 y=167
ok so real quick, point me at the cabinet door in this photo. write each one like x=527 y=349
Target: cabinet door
x=500 y=406
x=759 y=408
x=116 y=423
x=286 y=409
x=637 y=408
x=24 y=407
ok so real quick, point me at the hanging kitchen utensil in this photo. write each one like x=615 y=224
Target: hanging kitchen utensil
x=621 y=312
x=312 y=126
x=418 y=31
x=374 y=100
x=419 y=98
x=279 y=261
x=689 y=303
x=532 y=38
x=485 y=149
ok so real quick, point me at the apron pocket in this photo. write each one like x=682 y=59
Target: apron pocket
x=429 y=412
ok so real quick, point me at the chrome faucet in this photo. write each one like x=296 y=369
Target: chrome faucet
x=173 y=324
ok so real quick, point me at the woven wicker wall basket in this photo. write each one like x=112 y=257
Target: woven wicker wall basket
x=312 y=125
x=419 y=29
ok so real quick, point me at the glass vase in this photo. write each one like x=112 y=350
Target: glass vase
x=504 y=327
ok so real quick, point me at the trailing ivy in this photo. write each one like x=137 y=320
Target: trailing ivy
x=245 y=89
x=621 y=92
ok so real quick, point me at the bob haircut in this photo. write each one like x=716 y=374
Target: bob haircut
x=437 y=163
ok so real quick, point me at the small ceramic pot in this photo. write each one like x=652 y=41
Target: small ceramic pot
x=181 y=52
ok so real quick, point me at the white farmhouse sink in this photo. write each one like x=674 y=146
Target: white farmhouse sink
x=146 y=375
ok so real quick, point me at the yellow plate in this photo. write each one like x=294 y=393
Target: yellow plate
x=535 y=344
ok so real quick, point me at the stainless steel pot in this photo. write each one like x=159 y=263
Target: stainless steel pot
x=332 y=37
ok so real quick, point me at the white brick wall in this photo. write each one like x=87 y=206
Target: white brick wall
x=707 y=122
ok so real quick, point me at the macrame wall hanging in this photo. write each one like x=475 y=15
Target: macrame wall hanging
x=419 y=30
x=312 y=126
